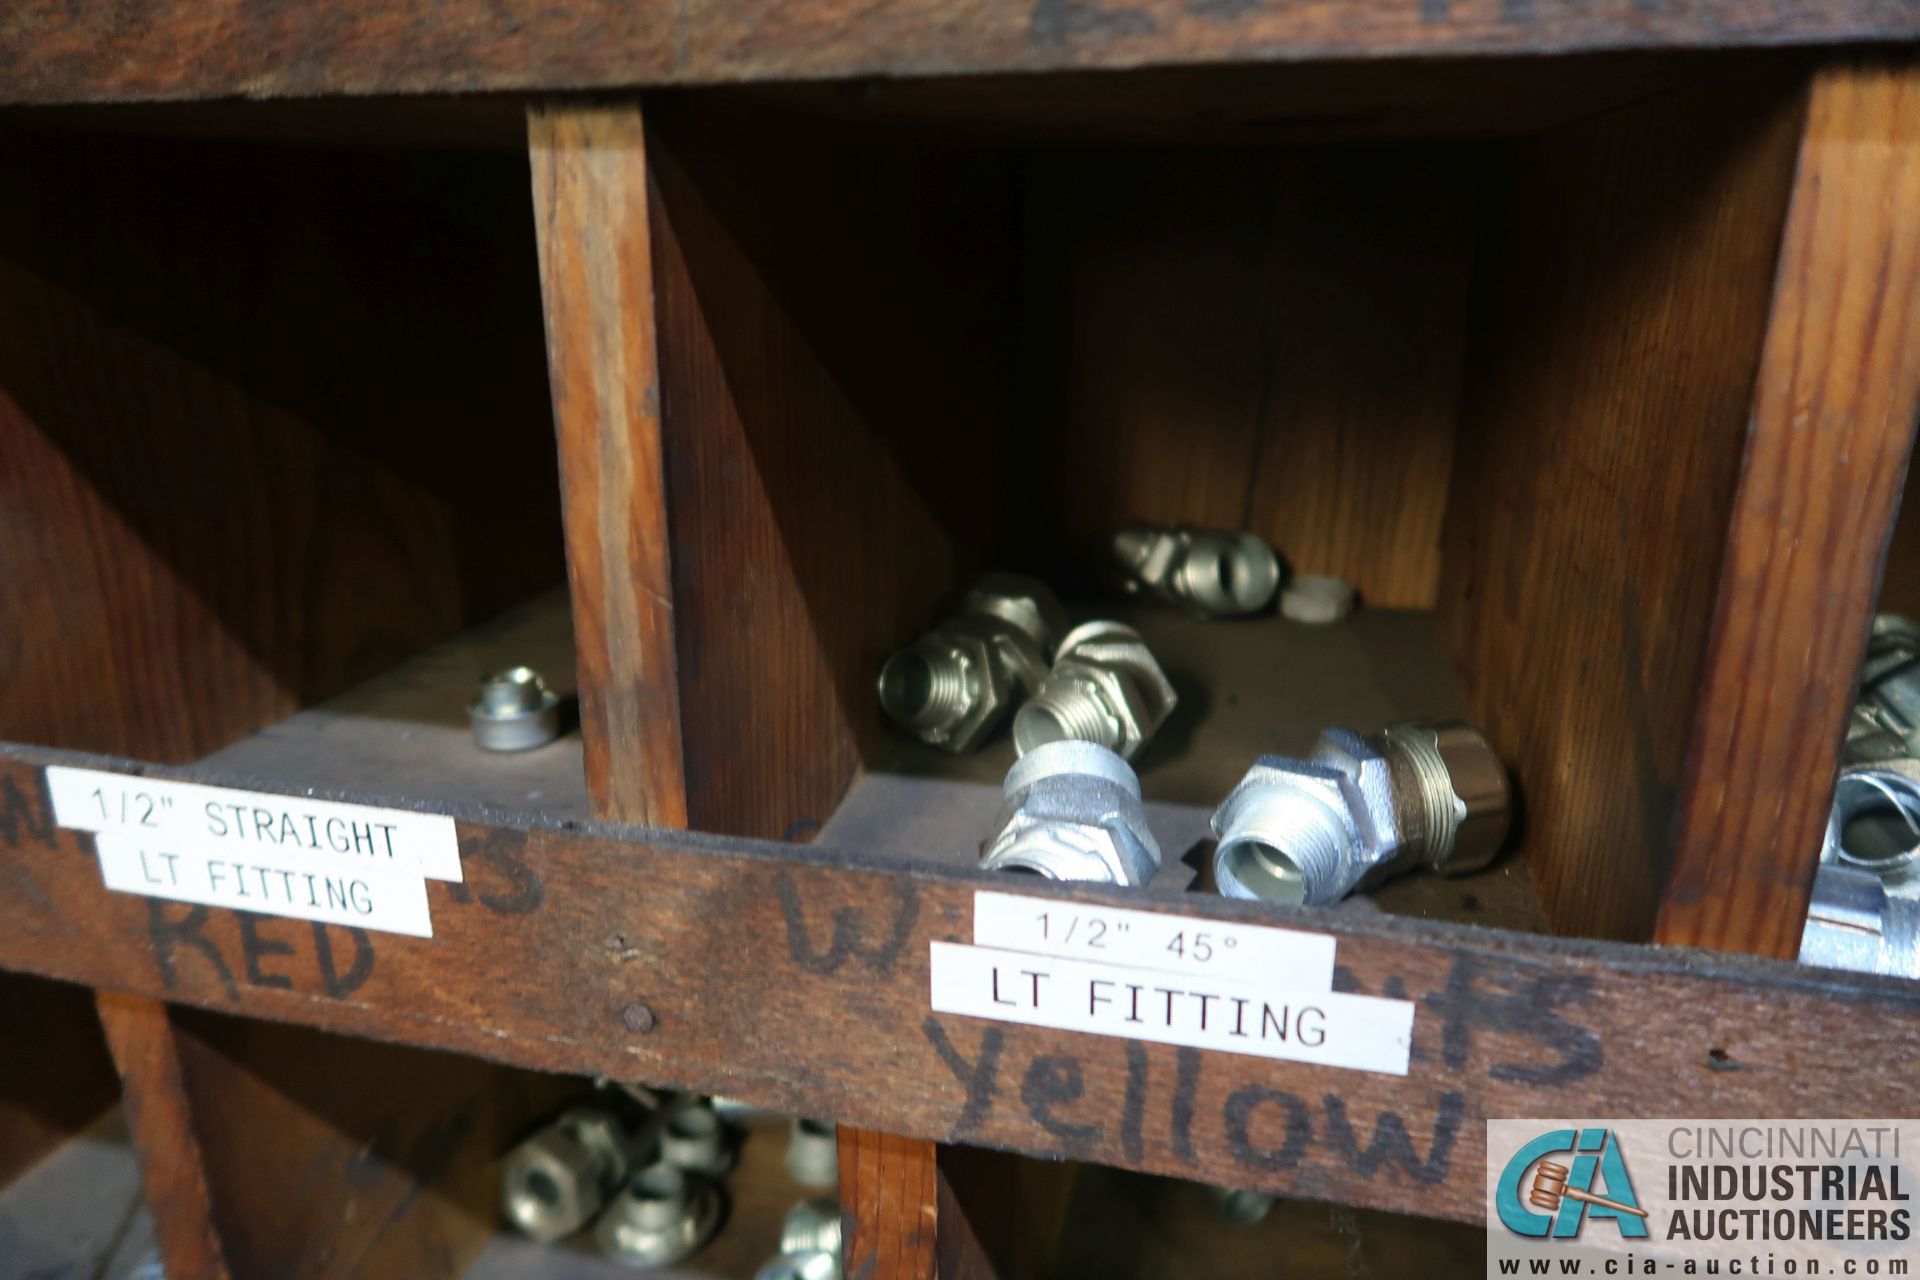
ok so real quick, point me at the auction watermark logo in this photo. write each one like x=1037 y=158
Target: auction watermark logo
x=1701 y=1197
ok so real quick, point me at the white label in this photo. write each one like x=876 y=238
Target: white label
x=319 y=835
x=1322 y=1027
x=1152 y=940
x=388 y=896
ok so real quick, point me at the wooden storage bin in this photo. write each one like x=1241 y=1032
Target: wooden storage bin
x=1597 y=374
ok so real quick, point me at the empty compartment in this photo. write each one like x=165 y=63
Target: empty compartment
x=274 y=415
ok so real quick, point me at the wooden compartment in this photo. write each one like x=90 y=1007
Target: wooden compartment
x=1494 y=366
x=273 y=419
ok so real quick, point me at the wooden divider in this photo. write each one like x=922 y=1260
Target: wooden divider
x=1833 y=417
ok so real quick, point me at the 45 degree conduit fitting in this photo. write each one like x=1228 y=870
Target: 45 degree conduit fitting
x=1360 y=810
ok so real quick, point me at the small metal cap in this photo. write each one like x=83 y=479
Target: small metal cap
x=1316 y=599
x=515 y=711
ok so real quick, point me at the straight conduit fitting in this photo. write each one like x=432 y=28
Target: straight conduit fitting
x=1214 y=575
x=1105 y=688
x=1361 y=810
x=553 y=1183
x=1072 y=812
x=660 y=1216
x=953 y=685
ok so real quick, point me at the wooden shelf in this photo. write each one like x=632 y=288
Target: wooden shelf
x=101 y=52
x=1596 y=372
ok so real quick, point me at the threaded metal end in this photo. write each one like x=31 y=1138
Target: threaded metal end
x=811 y=1226
x=1282 y=846
x=1449 y=783
x=1065 y=709
x=927 y=687
x=1436 y=809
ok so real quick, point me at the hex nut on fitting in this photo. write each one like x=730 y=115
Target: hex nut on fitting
x=1071 y=811
x=515 y=711
x=692 y=1137
x=554 y=1182
x=951 y=687
x=1213 y=575
x=1106 y=688
x=660 y=1216
x=813 y=1153
x=1360 y=810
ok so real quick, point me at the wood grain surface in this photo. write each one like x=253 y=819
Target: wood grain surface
x=1609 y=384
x=590 y=189
x=1265 y=339
x=890 y=1210
x=1832 y=432
x=56 y=50
x=562 y=941
x=828 y=302
x=160 y=1117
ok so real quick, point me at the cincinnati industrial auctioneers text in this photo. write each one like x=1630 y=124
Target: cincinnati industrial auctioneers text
x=1728 y=1182
x=1748 y=1197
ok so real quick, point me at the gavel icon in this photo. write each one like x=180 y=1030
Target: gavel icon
x=1550 y=1187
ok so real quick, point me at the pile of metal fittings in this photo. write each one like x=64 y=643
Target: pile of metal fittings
x=644 y=1176
x=1005 y=648
x=1085 y=702
x=1357 y=811
x=1865 y=913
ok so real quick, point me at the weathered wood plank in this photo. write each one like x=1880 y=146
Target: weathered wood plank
x=596 y=271
x=59 y=50
x=799 y=980
x=160 y=1117
x=1832 y=431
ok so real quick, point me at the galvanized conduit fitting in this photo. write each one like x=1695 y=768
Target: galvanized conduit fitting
x=813 y=1153
x=1890 y=679
x=1865 y=910
x=554 y=1182
x=660 y=1216
x=1072 y=812
x=515 y=711
x=693 y=1137
x=1360 y=810
x=1105 y=688
x=1214 y=575
x=953 y=685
